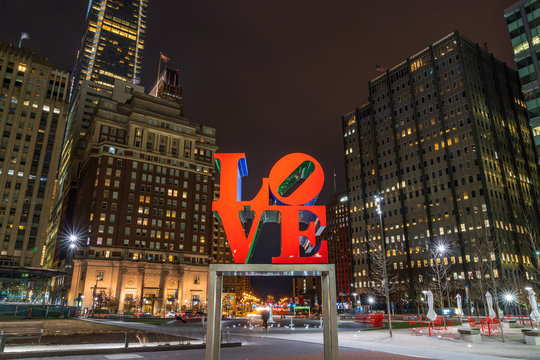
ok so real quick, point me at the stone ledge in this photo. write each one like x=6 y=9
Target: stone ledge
x=470 y=331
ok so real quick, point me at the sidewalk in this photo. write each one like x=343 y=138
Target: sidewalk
x=402 y=343
x=67 y=348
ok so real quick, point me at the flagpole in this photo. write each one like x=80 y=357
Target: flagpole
x=20 y=41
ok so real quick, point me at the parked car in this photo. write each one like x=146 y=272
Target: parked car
x=143 y=315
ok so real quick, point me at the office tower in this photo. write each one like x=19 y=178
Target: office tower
x=81 y=109
x=523 y=19
x=33 y=108
x=337 y=236
x=108 y=65
x=168 y=87
x=307 y=291
x=113 y=43
x=144 y=204
x=445 y=141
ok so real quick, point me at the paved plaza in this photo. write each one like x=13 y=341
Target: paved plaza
x=305 y=341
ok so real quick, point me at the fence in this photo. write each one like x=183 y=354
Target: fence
x=37 y=311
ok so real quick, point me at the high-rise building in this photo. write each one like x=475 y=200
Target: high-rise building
x=33 y=110
x=307 y=290
x=523 y=20
x=82 y=107
x=108 y=66
x=338 y=237
x=113 y=43
x=168 y=87
x=144 y=204
x=445 y=141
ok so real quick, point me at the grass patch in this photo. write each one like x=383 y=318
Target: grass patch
x=157 y=321
x=17 y=318
x=402 y=324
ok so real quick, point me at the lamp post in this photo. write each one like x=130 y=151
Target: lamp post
x=509 y=300
x=354 y=294
x=99 y=277
x=378 y=202
x=370 y=301
x=442 y=250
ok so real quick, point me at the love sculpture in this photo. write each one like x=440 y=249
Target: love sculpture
x=286 y=196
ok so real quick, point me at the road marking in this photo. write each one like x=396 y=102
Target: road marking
x=123 y=356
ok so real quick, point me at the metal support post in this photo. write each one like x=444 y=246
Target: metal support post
x=213 y=331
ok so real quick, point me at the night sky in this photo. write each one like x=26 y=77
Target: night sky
x=273 y=77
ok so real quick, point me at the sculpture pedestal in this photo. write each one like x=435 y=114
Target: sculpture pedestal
x=328 y=282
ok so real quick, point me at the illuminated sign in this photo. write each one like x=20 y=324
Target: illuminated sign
x=287 y=197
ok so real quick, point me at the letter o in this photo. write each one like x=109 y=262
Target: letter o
x=307 y=190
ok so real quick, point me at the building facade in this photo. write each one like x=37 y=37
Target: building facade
x=338 y=237
x=445 y=141
x=146 y=188
x=33 y=109
x=307 y=291
x=82 y=107
x=113 y=43
x=168 y=87
x=523 y=20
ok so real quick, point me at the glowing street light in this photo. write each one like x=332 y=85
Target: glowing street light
x=378 y=201
x=371 y=300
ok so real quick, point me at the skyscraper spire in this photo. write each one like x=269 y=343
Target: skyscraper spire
x=113 y=42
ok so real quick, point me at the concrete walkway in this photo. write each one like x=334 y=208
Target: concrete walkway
x=403 y=343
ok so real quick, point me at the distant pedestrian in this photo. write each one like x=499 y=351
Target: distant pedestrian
x=265 y=315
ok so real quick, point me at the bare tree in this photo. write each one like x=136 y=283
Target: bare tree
x=484 y=250
x=440 y=268
x=107 y=301
x=532 y=233
x=131 y=305
x=381 y=281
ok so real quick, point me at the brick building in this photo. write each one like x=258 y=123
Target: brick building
x=338 y=237
x=145 y=206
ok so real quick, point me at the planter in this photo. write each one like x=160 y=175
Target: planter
x=532 y=337
x=471 y=335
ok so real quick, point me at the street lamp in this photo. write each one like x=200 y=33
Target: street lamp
x=378 y=202
x=354 y=294
x=441 y=251
x=99 y=276
x=509 y=298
